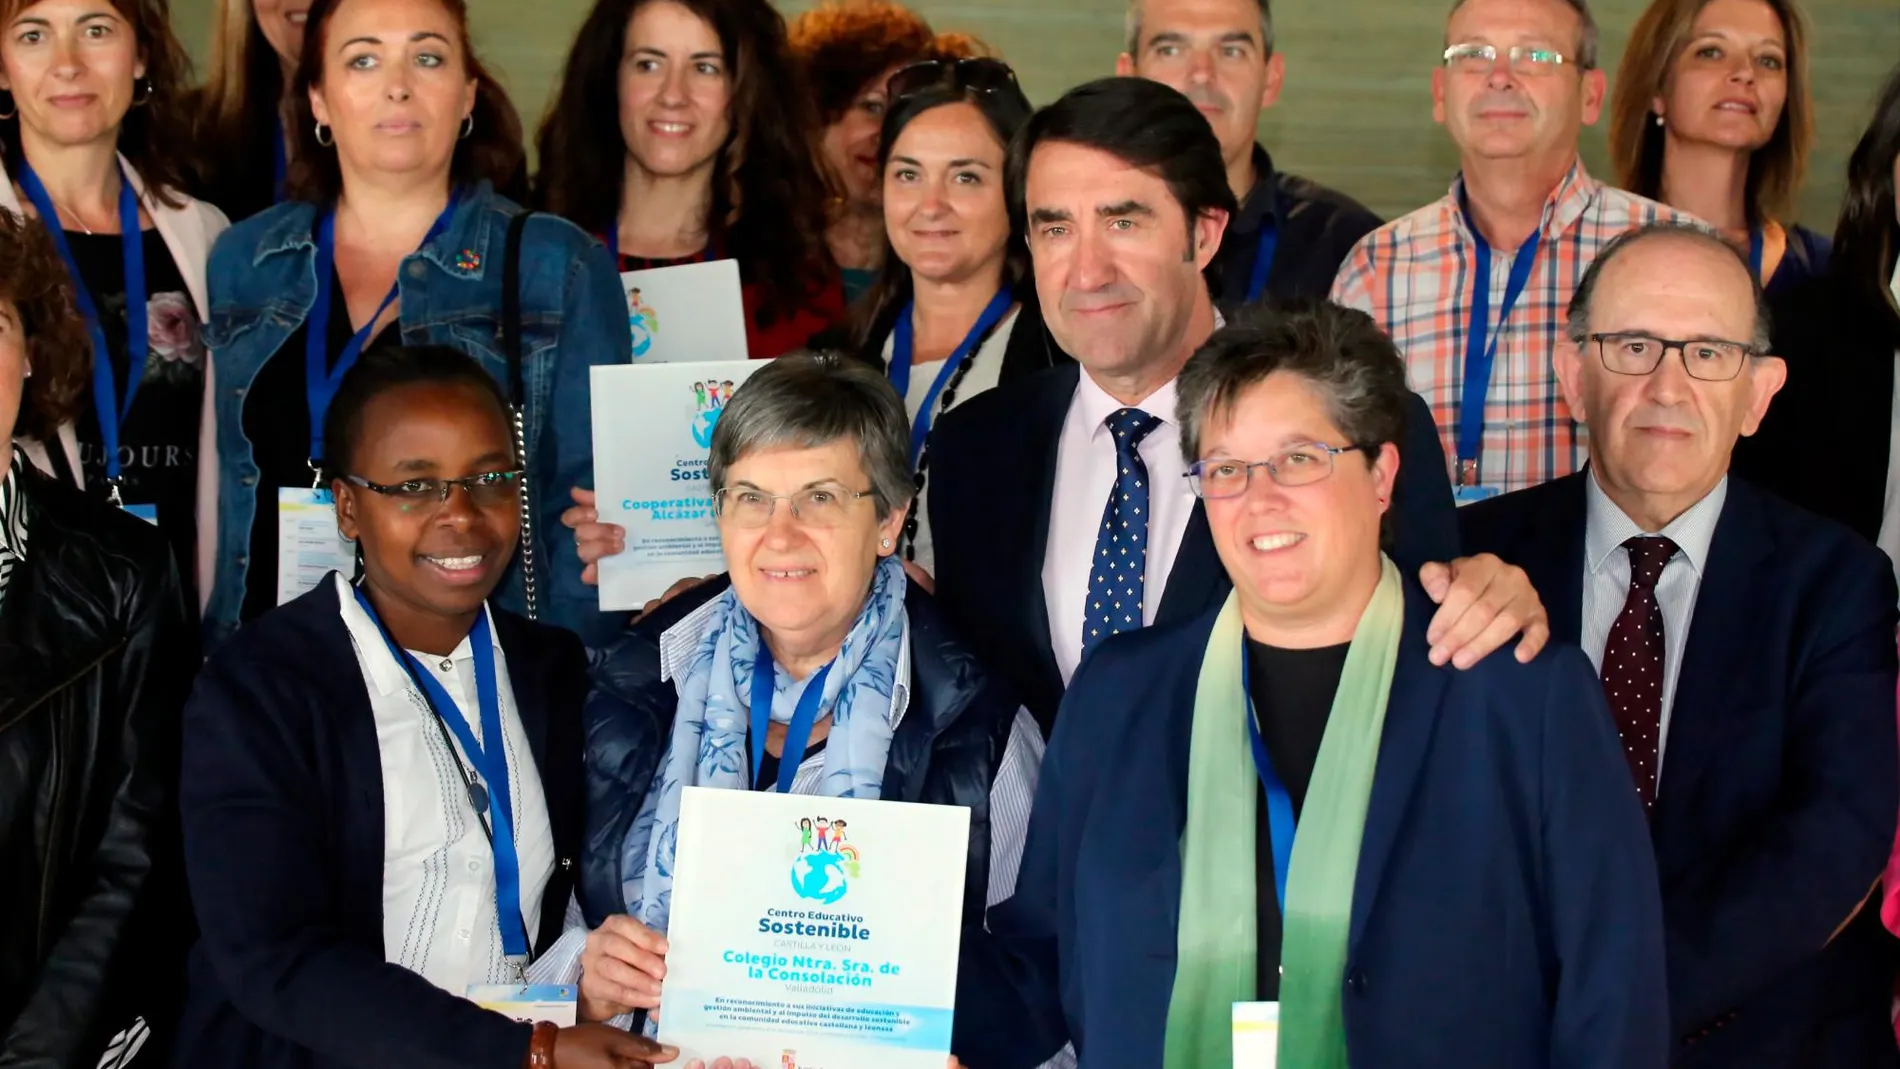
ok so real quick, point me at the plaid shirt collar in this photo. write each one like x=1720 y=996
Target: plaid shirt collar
x=1565 y=205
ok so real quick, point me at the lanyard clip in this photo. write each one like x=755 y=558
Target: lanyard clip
x=316 y=473
x=1467 y=471
x=112 y=493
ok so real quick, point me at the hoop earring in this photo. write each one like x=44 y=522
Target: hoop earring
x=468 y=125
x=15 y=113
x=321 y=131
x=146 y=84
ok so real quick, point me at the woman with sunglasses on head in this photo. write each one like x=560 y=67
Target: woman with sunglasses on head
x=396 y=231
x=869 y=695
x=848 y=50
x=703 y=99
x=91 y=135
x=1713 y=116
x=382 y=779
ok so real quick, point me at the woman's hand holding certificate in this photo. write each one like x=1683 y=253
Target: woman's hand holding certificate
x=621 y=969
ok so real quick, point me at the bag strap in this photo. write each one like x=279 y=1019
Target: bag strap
x=518 y=398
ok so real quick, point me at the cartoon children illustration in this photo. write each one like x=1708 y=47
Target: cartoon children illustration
x=726 y=390
x=804 y=830
x=824 y=835
x=837 y=835
x=699 y=392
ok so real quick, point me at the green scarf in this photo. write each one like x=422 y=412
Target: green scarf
x=1216 y=941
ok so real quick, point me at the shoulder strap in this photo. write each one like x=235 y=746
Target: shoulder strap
x=518 y=396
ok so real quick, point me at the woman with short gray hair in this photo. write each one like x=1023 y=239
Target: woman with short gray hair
x=811 y=483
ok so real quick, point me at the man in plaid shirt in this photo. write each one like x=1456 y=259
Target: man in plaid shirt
x=1473 y=286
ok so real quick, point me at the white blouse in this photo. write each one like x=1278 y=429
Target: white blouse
x=439 y=913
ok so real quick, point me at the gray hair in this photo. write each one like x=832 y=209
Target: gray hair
x=1577 y=316
x=1586 y=46
x=810 y=400
x=1132 y=24
x=1339 y=350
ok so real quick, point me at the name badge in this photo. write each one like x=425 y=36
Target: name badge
x=529 y=1003
x=1465 y=495
x=1256 y=1035
x=309 y=546
x=148 y=513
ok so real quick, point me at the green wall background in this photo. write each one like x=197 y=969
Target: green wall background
x=1356 y=109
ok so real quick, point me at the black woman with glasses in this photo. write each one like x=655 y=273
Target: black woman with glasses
x=1282 y=807
x=382 y=801
x=951 y=313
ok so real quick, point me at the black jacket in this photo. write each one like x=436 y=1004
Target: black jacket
x=992 y=484
x=95 y=659
x=946 y=750
x=283 y=817
x=1825 y=441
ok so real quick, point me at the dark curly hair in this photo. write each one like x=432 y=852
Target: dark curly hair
x=57 y=346
x=155 y=133
x=844 y=44
x=768 y=199
x=492 y=152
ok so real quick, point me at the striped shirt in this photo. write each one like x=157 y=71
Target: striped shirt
x=1413 y=276
x=12 y=521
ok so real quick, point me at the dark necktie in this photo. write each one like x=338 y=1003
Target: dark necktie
x=1118 y=574
x=1633 y=663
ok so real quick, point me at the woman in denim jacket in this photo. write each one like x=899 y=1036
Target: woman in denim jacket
x=400 y=137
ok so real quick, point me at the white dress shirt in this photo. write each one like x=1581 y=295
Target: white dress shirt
x=439 y=914
x=1889 y=536
x=1606 y=581
x=986 y=369
x=1085 y=477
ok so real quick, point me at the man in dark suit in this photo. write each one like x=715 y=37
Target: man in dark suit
x=1033 y=485
x=1747 y=651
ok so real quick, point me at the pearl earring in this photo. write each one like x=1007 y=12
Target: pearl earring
x=1659 y=120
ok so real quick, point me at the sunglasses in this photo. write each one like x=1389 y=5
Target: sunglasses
x=979 y=74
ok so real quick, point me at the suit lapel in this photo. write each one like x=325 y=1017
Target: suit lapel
x=1042 y=440
x=1727 y=593
x=1411 y=713
x=1197 y=582
x=1551 y=553
x=527 y=678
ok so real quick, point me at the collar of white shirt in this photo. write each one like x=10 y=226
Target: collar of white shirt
x=384 y=671
x=1607 y=527
x=678 y=642
x=1095 y=405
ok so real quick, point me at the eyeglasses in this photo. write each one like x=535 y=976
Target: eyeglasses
x=485 y=490
x=1479 y=59
x=822 y=507
x=1639 y=354
x=1301 y=465
x=981 y=74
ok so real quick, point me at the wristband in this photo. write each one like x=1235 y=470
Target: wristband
x=541 y=1046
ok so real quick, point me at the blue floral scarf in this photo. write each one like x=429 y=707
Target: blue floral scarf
x=709 y=730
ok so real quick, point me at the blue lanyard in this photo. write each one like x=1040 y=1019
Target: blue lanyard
x=1754 y=253
x=138 y=343
x=1480 y=351
x=279 y=161
x=490 y=761
x=798 y=735
x=1280 y=822
x=903 y=347
x=321 y=379
x=1263 y=259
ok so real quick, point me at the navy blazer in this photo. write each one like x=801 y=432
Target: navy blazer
x=992 y=479
x=283 y=818
x=1776 y=807
x=1505 y=912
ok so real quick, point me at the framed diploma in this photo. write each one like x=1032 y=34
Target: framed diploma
x=686 y=312
x=814 y=933
x=653 y=427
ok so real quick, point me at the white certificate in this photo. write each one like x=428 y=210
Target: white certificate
x=653 y=427
x=689 y=312
x=811 y=931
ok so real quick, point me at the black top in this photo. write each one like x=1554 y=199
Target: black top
x=1292 y=693
x=1318 y=229
x=768 y=768
x=158 y=443
x=277 y=424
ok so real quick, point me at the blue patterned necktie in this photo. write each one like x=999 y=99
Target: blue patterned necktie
x=1119 y=571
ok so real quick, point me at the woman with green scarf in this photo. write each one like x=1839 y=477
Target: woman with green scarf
x=1285 y=802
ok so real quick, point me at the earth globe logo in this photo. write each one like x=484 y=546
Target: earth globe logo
x=703 y=425
x=823 y=870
